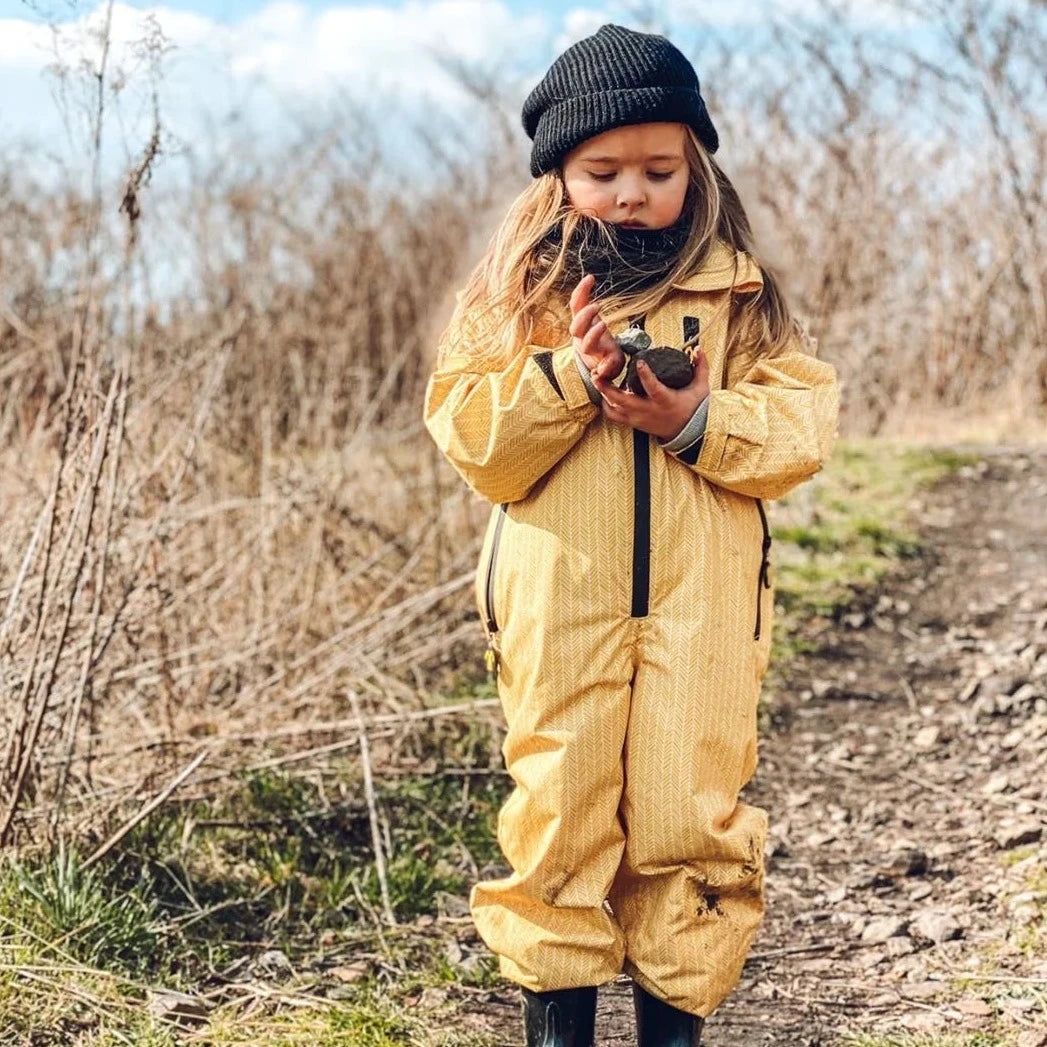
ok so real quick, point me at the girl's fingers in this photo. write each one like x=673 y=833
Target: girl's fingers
x=592 y=337
x=616 y=399
x=582 y=319
x=580 y=294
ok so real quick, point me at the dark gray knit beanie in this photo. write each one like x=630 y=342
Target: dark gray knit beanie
x=616 y=76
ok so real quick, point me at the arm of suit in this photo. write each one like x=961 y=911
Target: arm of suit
x=772 y=429
x=502 y=430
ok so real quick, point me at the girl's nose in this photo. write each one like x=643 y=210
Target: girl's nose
x=630 y=192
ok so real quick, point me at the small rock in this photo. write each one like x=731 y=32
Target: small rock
x=973 y=1006
x=817 y=839
x=1014 y=834
x=452 y=905
x=920 y=891
x=998 y=683
x=1032 y=1038
x=883 y=999
x=880 y=928
x=472 y=964
x=899 y=945
x=869 y=959
x=172 y=1006
x=1024 y=909
x=998 y=783
x=1012 y=739
x=927 y=737
x=350 y=972
x=271 y=963
x=432 y=997
x=909 y=861
x=910 y=969
x=634 y=340
x=935 y=927
x=921 y=990
x=1025 y=695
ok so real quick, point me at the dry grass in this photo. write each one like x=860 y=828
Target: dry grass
x=220 y=514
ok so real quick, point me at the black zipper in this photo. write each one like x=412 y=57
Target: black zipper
x=491 y=655
x=641 y=580
x=763 y=580
x=641 y=524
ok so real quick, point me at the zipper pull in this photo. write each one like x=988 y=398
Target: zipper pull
x=492 y=658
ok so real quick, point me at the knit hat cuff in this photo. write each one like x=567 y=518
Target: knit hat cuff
x=570 y=122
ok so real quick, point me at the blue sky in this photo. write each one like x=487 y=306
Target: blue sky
x=227 y=10
x=273 y=60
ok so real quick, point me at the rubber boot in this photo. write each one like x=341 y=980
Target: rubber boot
x=560 y=1017
x=659 y=1024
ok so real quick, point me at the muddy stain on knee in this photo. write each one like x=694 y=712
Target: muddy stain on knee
x=708 y=901
x=553 y=888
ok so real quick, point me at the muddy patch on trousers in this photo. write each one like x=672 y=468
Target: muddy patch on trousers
x=709 y=902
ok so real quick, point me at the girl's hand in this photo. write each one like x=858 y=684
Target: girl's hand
x=664 y=411
x=597 y=347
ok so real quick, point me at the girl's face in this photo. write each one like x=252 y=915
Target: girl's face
x=631 y=175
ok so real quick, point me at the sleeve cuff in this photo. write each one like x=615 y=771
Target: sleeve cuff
x=587 y=379
x=572 y=386
x=691 y=433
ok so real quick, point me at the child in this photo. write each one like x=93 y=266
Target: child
x=624 y=582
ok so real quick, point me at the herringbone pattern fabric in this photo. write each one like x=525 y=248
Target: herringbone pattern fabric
x=629 y=738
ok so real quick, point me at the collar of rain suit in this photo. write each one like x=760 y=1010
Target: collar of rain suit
x=724 y=268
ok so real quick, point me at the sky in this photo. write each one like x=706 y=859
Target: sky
x=278 y=64
x=262 y=56
x=275 y=63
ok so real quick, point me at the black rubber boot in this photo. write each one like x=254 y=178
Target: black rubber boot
x=560 y=1017
x=659 y=1024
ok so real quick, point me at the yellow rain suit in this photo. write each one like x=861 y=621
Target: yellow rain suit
x=628 y=594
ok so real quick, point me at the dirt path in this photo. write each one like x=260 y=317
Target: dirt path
x=906 y=759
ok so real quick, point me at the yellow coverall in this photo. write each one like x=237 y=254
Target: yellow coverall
x=629 y=596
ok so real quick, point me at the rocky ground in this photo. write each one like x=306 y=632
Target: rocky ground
x=905 y=774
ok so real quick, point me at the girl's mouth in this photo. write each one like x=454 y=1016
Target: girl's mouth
x=633 y=225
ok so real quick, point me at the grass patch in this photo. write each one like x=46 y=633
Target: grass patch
x=198 y=896
x=845 y=528
x=374 y=1020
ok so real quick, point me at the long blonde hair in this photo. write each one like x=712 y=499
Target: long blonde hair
x=507 y=288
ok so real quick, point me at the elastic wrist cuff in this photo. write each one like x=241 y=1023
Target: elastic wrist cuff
x=594 y=393
x=691 y=432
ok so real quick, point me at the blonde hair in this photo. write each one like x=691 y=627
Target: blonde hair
x=508 y=294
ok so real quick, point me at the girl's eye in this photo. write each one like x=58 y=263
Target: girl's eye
x=658 y=176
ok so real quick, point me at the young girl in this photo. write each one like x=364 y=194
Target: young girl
x=624 y=582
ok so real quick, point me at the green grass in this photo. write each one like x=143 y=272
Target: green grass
x=278 y=862
x=844 y=529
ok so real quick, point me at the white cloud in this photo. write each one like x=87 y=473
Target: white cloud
x=284 y=54
x=288 y=56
